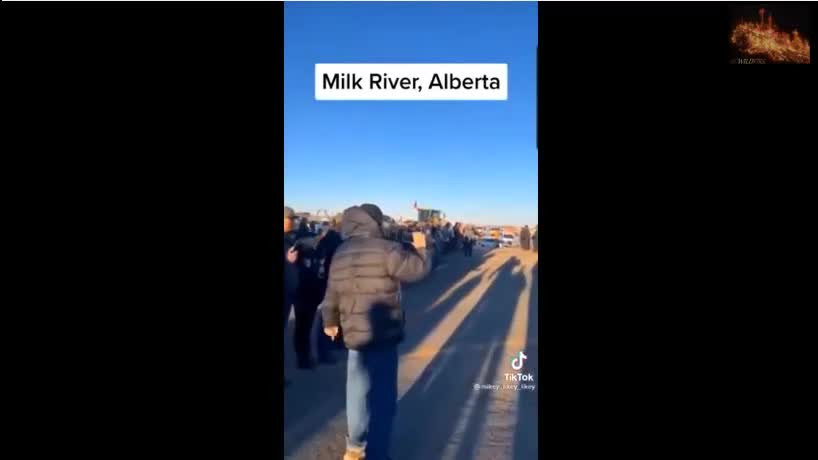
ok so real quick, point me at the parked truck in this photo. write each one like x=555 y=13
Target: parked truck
x=430 y=216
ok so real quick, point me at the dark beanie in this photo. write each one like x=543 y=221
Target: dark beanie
x=374 y=212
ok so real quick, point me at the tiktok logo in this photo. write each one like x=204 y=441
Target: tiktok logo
x=517 y=363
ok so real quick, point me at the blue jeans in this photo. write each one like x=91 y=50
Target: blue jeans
x=372 y=399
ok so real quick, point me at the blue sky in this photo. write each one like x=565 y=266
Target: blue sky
x=474 y=160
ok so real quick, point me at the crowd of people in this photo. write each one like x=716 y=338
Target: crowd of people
x=355 y=289
x=443 y=239
x=343 y=283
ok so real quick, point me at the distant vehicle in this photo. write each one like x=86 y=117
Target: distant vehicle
x=432 y=216
x=507 y=240
x=490 y=243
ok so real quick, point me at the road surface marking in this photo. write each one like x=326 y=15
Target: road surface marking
x=466 y=412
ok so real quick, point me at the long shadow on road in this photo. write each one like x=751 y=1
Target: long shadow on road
x=429 y=416
x=526 y=432
x=316 y=397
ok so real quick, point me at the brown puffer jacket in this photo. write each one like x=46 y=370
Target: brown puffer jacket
x=363 y=293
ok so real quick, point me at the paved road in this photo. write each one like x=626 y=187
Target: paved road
x=465 y=323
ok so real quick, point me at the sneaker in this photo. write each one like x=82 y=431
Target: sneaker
x=354 y=454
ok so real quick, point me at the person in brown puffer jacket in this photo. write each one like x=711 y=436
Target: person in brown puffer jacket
x=363 y=298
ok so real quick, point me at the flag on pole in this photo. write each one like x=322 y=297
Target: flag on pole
x=415 y=206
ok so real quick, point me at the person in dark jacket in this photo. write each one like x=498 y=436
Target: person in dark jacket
x=363 y=298
x=327 y=245
x=525 y=238
x=303 y=254
x=534 y=241
x=468 y=244
x=290 y=269
x=304 y=228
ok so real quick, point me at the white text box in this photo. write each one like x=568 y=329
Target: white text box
x=411 y=82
